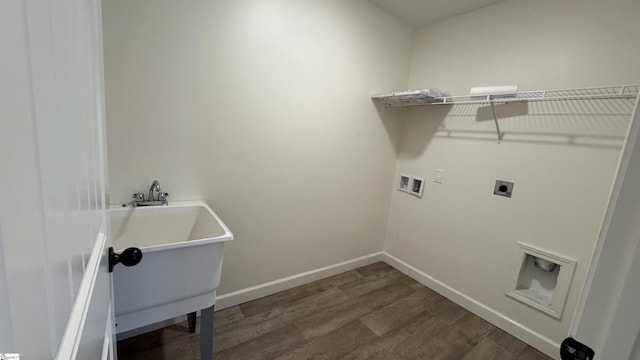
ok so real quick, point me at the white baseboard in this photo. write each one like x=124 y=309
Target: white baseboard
x=523 y=333
x=255 y=292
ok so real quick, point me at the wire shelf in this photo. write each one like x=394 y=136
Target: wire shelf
x=436 y=97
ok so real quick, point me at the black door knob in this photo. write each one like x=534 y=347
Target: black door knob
x=129 y=257
x=572 y=349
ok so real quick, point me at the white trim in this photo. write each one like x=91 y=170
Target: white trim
x=518 y=330
x=561 y=291
x=77 y=318
x=608 y=285
x=255 y=292
x=106 y=345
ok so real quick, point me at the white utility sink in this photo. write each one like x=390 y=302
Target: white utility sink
x=182 y=247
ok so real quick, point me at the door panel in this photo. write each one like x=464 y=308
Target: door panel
x=52 y=187
x=607 y=319
x=24 y=255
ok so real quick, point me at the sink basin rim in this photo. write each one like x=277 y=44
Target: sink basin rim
x=227 y=236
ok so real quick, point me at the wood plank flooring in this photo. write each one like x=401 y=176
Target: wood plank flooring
x=374 y=312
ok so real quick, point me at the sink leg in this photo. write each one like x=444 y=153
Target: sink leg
x=191 y=320
x=206 y=333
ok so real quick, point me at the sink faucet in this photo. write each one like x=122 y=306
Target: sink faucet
x=139 y=200
x=155 y=186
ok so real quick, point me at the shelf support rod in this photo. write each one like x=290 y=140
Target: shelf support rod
x=495 y=118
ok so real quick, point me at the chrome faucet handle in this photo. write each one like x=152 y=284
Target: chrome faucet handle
x=162 y=196
x=138 y=196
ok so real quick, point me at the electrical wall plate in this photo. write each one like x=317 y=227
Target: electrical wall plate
x=503 y=188
x=416 y=186
x=438 y=175
x=404 y=182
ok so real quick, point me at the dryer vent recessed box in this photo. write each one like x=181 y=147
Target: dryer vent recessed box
x=542 y=280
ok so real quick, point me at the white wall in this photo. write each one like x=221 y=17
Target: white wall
x=248 y=104
x=536 y=44
x=262 y=109
x=562 y=156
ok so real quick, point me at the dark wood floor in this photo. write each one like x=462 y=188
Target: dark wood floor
x=374 y=312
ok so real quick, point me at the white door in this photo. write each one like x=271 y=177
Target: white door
x=55 y=290
x=608 y=319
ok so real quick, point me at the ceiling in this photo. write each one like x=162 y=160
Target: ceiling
x=424 y=12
